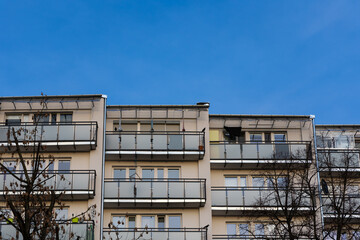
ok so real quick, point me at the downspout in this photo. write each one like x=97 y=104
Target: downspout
x=103 y=170
x=318 y=171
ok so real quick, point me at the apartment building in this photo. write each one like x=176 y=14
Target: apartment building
x=338 y=148
x=70 y=130
x=246 y=152
x=178 y=172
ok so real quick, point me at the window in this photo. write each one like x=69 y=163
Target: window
x=132 y=222
x=160 y=173
x=132 y=174
x=231 y=229
x=148 y=222
x=258 y=182
x=119 y=221
x=259 y=229
x=231 y=182
x=255 y=137
x=13 y=120
x=64 y=166
x=243 y=229
x=42 y=118
x=280 y=137
x=148 y=173
x=61 y=214
x=65 y=118
x=53 y=119
x=161 y=222
x=119 y=173
x=173 y=173
x=174 y=222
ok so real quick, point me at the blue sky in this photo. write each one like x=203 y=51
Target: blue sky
x=242 y=56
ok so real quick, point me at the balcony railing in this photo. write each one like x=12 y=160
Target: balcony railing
x=72 y=185
x=168 y=145
x=156 y=233
x=83 y=230
x=232 y=200
x=257 y=237
x=160 y=193
x=253 y=154
x=339 y=159
x=349 y=205
x=79 y=136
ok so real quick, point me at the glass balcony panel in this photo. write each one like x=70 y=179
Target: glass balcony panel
x=177 y=235
x=3 y=133
x=65 y=232
x=48 y=132
x=82 y=133
x=127 y=189
x=112 y=142
x=266 y=151
x=64 y=181
x=143 y=189
x=159 y=142
x=299 y=151
x=252 y=197
x=9 y=232
x=250 y=151
x=143 y=142
x=127 y=142
x=160 y=190
x=81 y=181
x=217 y=151
x=175 y=142
x=233 y=151
x=218 y=197
x=192 y=142
x=66 y=133
x=282 y=150
x=79 y=231
x=235 y=197
x=111 y=189
x=176 y=189
x=192 y=189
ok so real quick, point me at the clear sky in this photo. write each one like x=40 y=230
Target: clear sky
x=242 y=56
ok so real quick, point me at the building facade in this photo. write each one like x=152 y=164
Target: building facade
x=178 y=172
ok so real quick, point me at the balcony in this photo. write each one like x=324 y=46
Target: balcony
x=339 y=162
x=233 y=201
x=155 y=146
x=349 y=205
x=228 y=155
x=63 y=137
x=72 y=185
x=156 y=193
x=84 y=230
x=257 y=237
x=156 y=233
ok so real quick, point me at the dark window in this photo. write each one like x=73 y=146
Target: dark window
x=66 y=118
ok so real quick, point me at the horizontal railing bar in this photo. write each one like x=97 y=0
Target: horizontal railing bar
x=156 y=180
x=47 y=123
x=248 y=142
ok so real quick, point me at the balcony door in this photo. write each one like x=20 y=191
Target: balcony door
x=281 y=147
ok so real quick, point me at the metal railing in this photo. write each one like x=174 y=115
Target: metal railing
x=260 y=151
x=57 y=132
x=249 y=236
x=155 y=233
x=155 y=141
x=339 y=159
x=69 y=230
x=152 y=189
x=72 y=181
x=259 y=197
x=348 y=204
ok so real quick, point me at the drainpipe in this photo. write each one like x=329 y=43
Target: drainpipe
x=103 y=171
x=312 y=117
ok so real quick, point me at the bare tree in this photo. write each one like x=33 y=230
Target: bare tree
x=340 y=188
x=32 y=191
x=289 y=198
